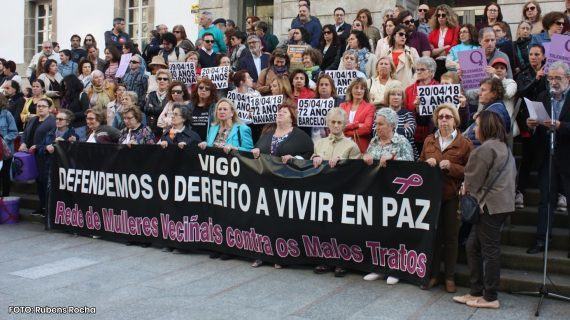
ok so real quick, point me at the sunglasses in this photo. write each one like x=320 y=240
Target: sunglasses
x=176 y=91
x=559 y=23
x=402 y=34
x=161 y=79
x=411 y=21
x=530 y=9
x=444 y=116
x=441 y=15
x=204 y=88
x=327 y=32
x=422 y=10
x=134 y=62
x=60 y=119
x=209 y=41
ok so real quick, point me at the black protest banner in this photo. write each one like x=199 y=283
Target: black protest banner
x=264 y=109
x=242 y=104
x=183 y=71
x=342 y=79
x=432 y=96
x=218 y=75
x=313 y=112
x=356 y=216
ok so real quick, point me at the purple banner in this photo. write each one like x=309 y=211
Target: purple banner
x=472 y=64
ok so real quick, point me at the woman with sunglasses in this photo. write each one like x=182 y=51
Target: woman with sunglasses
x=531 y=13
x=157 y=100
x=177 y=93
x=202 y=102
x=553 y=22
x=444 y=35
x=448 y=150
x=89 y=41
x=403 y=57
x=182 y=40
x=331 y=48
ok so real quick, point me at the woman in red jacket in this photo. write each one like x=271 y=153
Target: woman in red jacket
x=444 y=35
x=300 y=86
x=360 y=113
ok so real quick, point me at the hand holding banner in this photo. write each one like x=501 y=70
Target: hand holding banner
x=472 y=64
x=432 y=96
x=313 y=112
x=219 y=76
x=183 y=71
x=124 y=65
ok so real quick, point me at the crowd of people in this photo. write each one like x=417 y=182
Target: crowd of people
x=76 y=96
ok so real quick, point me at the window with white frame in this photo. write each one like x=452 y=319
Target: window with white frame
x=138 y=21
x=43 y=24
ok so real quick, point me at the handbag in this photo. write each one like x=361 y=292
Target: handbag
x=470 y=208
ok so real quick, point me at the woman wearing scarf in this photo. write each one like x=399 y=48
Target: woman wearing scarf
x=101 y=92
x=366 y=60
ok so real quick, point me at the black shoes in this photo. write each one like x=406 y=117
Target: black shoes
x=537 y=248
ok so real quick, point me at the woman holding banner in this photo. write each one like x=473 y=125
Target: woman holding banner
x=467 y=41
x=448 y=150
x=283 y=140
x=387 y=145
x=226 y=131
x=385 y=69
x=180 y=132
x=177 y=93
x=282 y=86
x=360 y=113
x=334 y=148
x=483 y=248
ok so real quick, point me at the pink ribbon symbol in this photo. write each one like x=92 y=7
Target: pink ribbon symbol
x=415 y=180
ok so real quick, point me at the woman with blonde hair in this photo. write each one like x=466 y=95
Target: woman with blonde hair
x=385 y=70
x=227 y=131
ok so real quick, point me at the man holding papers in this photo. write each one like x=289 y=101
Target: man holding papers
x=556 y=103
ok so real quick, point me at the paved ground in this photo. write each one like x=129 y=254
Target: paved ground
x=56 y=269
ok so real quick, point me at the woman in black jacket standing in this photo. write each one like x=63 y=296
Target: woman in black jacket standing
x=330 y=46
x=34 y=136
x=76 y=101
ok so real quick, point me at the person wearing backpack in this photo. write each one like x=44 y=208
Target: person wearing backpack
x=170 y=52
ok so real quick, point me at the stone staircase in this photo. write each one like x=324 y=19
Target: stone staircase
x=520 y=271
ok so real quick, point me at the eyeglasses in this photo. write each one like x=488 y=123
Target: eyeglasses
x=208 y=41
x=444 y=116
x=409 y=21
x=402 y=34
x=204 y=88
x=441 y=15
x=90 y=118
x=555 y=78
x=422 y=10
x=134 y=62
x=162 y=79
x=530 y=9
x=559 y=23
x=60 y=119
x=176 y=91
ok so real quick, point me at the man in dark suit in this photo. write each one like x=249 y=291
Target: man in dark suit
x=253 y=60
x=557 y=104
x=342 y=28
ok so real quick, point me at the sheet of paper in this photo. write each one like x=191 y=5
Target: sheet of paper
x=536 y=110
